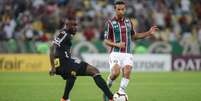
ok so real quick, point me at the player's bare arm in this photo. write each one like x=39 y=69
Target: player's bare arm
x=112 y=44
x=51 y=55
x=149 y=33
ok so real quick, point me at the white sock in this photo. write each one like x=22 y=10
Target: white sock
x=123 y=85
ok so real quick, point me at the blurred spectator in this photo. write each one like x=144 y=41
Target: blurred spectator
x=185 y=6
x=89 y=33
x=25 y=24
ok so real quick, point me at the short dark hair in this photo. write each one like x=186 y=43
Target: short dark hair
x=70 y=18
x=64 y=20
x=119 y=2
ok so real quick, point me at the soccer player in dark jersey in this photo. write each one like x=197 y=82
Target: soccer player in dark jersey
x=68 y=68
x=119 y=33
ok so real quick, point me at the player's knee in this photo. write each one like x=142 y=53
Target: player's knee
x=95 y=72
x=127 y=71
x=127 y=76
x=116 y=72
x=92 y=71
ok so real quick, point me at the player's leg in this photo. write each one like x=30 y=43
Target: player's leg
x=125 y=79
x=114 y=73
x=64 y=71
x=68 y=87
x=114 y=62
x=100 y=82
x=84 y=69
x=126 y=70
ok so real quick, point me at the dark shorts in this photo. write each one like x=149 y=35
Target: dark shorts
x=68 y=67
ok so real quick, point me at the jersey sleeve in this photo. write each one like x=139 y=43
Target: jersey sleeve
x=61 y=38
x=108 y=31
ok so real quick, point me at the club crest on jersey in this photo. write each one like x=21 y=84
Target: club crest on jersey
x=127 y=20
x=114 y=22
x=127 y=23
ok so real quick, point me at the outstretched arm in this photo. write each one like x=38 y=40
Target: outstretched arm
x=149 y=33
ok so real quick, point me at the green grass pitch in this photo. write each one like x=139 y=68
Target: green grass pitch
x=157 y=86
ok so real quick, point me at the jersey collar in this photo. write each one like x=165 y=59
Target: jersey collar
x=115 y=18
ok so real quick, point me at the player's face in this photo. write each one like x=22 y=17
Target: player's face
x=120 y=10
x=71 y=26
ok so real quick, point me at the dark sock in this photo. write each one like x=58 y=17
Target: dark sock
x=69 y=85
x=100 y=82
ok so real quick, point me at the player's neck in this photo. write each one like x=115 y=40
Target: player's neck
x=119 y=18
x=67 y=30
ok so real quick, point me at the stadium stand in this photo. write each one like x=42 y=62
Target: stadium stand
x=26 y=26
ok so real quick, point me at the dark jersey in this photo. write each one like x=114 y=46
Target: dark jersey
x=65 y=65
x=63 y=43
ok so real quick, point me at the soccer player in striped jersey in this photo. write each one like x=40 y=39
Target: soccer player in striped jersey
x=119 y=33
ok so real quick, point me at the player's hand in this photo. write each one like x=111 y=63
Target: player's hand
x=121 y=45
x=52 y=71
x=152 y=30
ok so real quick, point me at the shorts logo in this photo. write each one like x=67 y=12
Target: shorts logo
x=78 y=61
x=115 y=61
x=73 y=73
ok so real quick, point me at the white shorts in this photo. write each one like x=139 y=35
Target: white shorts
x=122 y=59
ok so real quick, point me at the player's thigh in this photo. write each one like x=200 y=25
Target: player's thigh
x=71 y=67
x=78 y=67
x=83 y=68
x=91 y=70
x=114 y=61
x=61 y=67
x=127 y=60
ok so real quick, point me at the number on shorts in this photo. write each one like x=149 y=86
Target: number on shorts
x=56 y=62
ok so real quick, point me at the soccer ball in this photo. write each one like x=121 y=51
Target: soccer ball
x=120 y=97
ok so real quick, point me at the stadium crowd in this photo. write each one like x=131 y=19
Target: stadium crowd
x=26 y=26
